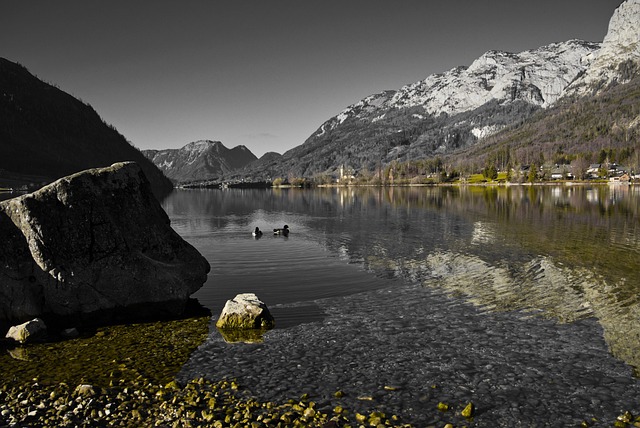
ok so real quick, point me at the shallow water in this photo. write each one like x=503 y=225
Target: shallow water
x=521 y=299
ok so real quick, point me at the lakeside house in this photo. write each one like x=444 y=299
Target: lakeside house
x=616 y=170
x=594 y=170
x=346 y=174
x=597 y=170
x=622 y=179
x=561 y=172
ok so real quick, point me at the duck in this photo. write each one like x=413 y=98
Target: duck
x=257 y=232
x=283 y=231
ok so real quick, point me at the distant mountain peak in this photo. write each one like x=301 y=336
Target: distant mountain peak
x=200 y=160
x=201 y=145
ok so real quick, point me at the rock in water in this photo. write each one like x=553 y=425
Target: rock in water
x=96 y=242
x=245 y=311
x=28 y=331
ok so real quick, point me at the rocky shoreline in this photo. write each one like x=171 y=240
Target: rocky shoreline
x=125 y=375
x=198 y=403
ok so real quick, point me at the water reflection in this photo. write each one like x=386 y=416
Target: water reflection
x=563 y=252
x=566 y=252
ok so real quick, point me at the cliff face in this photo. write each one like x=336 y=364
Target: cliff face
x=537 y=77
x=618 y=60
x=46 y=134
x=96 y=242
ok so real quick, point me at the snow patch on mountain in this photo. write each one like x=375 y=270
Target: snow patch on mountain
x=343 y=116
x=322 y=131
x=485 y=131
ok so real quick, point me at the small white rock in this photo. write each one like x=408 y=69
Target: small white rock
x=27 y=331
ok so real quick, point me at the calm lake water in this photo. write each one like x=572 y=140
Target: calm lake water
x=522 y=300
x=568 y=252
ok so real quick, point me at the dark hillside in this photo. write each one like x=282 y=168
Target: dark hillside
x=48 y=133
x=406 y=134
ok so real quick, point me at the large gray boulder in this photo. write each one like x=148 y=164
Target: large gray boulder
x=96 y=242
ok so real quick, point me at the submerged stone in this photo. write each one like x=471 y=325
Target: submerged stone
x=245 y=335
x=468 y=411
x=20 y=353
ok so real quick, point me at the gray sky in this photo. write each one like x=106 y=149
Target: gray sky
x=264 y=73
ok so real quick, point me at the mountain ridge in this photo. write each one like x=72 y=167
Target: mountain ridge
x=436 y=115
x=454 y=111
x=200 y=160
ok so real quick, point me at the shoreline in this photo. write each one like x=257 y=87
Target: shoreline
x=201 y=402
x=160 y=372
x=448 y=184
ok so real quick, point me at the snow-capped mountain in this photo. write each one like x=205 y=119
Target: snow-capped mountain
x=450 y=111
x=443 y=112
x=200 y=160
x=537 y=77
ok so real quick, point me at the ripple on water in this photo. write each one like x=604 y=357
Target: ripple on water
x=279 y=270
x=518 y=371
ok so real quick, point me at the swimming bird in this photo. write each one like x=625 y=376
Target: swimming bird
x=283 y=231
x=257 y=232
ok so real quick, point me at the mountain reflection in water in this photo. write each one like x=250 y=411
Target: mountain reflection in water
x=565 y=252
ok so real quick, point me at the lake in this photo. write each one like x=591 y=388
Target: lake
x=522 y=299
